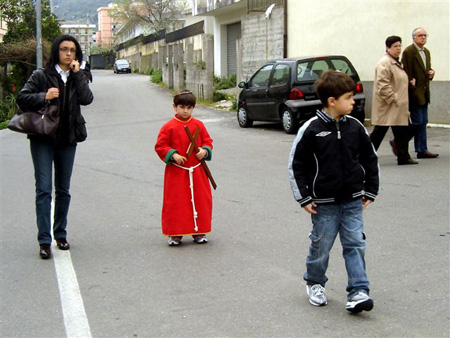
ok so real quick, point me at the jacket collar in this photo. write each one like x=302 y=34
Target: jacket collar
x=327 y=118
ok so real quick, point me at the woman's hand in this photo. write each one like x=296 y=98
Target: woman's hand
x=74 y=66
x=52 y=93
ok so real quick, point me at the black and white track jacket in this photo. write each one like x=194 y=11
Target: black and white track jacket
x=333 y=161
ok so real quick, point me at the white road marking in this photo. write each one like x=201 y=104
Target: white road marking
x=75 y=319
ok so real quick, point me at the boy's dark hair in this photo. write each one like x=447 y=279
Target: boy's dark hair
x=54 y=52
x=185 y=98
x=333 y=84
x=391 y=40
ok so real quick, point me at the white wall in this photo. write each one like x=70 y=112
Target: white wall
x=358 y=30
x=220 y=39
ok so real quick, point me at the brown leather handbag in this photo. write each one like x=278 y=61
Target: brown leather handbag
x=42 y=122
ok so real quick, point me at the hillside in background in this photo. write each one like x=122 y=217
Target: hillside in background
x=79 y=10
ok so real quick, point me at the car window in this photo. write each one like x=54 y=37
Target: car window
x=309 y=70
x=342 y=66
x=261 y=77
x=122 y=62
x=318 y=67
x=312 y=69
x=280 y=75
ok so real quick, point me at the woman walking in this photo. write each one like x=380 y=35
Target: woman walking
x=60 y=83
x=390 y=102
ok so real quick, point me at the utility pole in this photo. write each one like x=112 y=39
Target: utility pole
x=38 y=35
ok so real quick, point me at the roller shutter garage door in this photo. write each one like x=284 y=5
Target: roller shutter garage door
x=233 y=33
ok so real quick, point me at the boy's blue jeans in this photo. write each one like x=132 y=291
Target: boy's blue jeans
x=344 y=218
x=45 y=153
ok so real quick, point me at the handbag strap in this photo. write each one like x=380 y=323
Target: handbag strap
x=48 y=84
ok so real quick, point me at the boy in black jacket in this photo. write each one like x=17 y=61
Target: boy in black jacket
x=333 y=172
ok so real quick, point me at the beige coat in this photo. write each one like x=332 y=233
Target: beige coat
x=390 y=94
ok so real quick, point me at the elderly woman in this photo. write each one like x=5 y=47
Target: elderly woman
x=390 y=102
x=60 y=83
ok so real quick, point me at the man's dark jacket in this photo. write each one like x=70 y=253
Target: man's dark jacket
x=414 y=67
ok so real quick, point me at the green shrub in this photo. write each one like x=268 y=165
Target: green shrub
x=3 y=124
x=8 y=108
x=224 y=82
x=157 y=76
x=218 y=96
x=201 y=63
x=233 y=104
x=135 y=70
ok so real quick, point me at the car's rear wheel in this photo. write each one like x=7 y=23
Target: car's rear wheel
x=289 y=121
x=243 y=119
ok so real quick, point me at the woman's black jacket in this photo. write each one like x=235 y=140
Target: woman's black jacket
x=74 y=93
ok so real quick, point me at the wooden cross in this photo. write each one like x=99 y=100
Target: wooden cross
x=193 y=146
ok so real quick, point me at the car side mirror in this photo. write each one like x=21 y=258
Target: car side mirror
x=242 y=84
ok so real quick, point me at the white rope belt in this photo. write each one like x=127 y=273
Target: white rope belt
x=191 y=186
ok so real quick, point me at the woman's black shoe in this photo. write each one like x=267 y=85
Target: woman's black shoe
x=406 y=162
x=62 y=244
x=45 y=252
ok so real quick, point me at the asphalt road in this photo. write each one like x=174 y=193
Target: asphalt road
x=246 y=282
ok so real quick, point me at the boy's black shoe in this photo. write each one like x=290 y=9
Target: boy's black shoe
x=45 y=252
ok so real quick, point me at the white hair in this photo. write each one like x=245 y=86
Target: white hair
x=415 y=31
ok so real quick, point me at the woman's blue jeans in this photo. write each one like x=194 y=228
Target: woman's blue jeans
x=345 y=219
x=46 y=153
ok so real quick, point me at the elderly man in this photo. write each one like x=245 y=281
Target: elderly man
x=417 y=62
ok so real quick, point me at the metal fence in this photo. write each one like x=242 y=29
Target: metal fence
x=261 y=5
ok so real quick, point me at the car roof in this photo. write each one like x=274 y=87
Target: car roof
x=120 y=60
x=295 y=59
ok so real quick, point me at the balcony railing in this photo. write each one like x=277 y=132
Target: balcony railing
x=203 y=6
x=261 y=5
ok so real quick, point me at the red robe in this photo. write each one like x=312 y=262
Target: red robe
x=177 y=211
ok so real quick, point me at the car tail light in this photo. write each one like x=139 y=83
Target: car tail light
x=359 y=87
x=295 y=94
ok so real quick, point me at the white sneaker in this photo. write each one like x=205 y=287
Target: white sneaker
x=199 y=239
x=359 y=302
x=175 y=240
x=316 y=294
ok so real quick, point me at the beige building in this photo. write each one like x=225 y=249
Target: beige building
x=106 y=25
x=83 y=32
x=356 y=29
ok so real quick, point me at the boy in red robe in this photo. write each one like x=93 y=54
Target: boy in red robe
x=187 y=202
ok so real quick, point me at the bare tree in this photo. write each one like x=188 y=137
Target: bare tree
x=155 y=14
